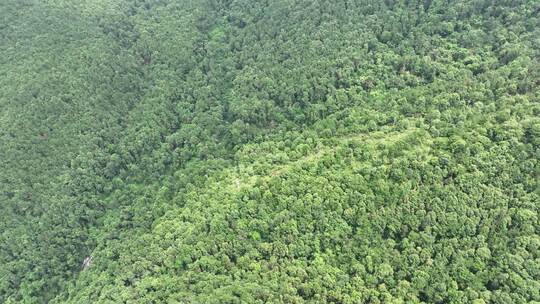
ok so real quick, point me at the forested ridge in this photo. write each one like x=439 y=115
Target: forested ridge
x=252 y=151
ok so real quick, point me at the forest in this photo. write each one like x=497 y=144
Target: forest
x=257 y=151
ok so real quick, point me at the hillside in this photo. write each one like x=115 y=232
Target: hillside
x=291 y=151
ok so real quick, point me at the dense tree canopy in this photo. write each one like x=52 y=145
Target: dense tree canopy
x=291 y=151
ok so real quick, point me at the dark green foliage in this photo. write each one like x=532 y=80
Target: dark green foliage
x=269 y=151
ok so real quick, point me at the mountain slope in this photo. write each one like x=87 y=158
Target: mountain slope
x=281 y=151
